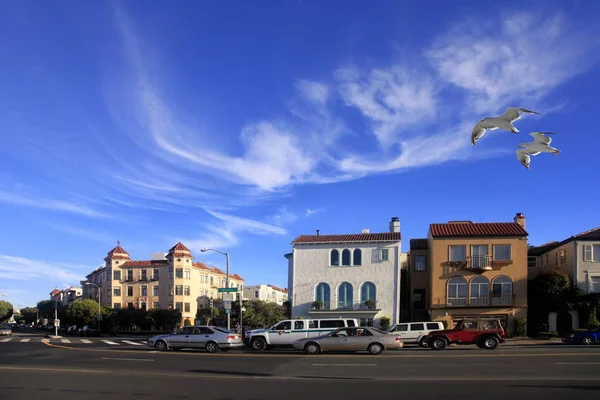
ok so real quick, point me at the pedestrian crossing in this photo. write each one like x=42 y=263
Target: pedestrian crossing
x=110 y=342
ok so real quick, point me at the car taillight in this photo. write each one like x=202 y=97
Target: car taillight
x=233 y=337
x=398 y=339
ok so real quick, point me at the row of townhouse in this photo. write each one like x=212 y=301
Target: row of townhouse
x=267 y=293
x=577 y=256
x=462 y=269
x=66 y=296
x=169 y=280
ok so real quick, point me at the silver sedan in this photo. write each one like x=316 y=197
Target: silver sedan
x=370 y=339
x=210 y=338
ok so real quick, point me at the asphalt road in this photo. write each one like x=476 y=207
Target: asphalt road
x=35 y=370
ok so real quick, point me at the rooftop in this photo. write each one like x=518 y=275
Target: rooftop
x=349 y=238
x=477 y=229
x=277 y=288
x=118 y=253
x=592 y=234
x=419 y=244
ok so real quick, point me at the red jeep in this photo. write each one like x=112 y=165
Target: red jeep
x=485 y=333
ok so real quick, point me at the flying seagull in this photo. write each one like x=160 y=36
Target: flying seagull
x=540 y=144
x=504 y=122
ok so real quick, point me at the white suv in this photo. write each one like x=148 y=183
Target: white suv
x=416 y=332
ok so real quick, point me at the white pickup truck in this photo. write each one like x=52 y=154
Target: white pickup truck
x=284 y=333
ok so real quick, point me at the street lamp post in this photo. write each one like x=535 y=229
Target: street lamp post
x=227 y=258
x=99 y=300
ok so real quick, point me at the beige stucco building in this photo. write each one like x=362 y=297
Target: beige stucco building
x=268 y=293
x=168 y=280
x=465 y=269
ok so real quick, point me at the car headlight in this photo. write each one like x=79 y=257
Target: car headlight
x=571 y=335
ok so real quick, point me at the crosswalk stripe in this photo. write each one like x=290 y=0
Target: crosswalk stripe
x=24 y=340
x=86 y=341
x=6 y=340
x=45 y=340
x=65 y=340
x=109 y=342
x=133 y=343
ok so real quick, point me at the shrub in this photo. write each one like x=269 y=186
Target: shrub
x=385 y=322
x=187 y=322
x=317 y=305
x=521 y=327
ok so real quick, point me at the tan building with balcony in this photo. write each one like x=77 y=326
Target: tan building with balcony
x=466 y=270
x=169 y=280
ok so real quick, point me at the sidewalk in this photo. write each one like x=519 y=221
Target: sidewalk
x=532 y=342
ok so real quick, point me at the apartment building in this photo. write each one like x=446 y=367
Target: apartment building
x=578 y=256
x=168 y=280
x=346 y=275
x=66 y=296
x=268 y=293
x=467 y=270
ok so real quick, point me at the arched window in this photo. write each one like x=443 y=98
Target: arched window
x=357 y=257
x=345 y=295
x=502 y=291
x=368 y=292
x=322 y=295
x=346 y=257
x=479 y=291
x=334 y=257
x=457 y=291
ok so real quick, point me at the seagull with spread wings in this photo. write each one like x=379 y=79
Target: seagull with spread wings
x=540 y=144
x=504 y=122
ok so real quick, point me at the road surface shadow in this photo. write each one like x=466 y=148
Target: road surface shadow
x=233 y=373
x=550 y=386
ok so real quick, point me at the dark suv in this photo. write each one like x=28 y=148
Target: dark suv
x=485 y=333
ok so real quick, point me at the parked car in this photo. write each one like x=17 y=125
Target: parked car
x=88 y=331
x=210 y=338
x=485 y=333
x=285 y=333
x=5 y=330
x=416 y=332
x=591 y=336
x=361 y=338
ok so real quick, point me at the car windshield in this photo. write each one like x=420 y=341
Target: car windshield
x=597 y=329
x=223 y=330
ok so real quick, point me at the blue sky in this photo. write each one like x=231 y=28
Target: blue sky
x=239 y=126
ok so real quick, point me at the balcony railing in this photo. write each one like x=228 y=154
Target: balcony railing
x=477 y=301
x=345 y=306
x=479 y=262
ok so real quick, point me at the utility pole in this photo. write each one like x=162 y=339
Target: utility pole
x=55 y=317
x=228 y=314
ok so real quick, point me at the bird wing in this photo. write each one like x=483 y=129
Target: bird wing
x=524 y=158
x=541 y=138
x=478 y=132
x=513 y=113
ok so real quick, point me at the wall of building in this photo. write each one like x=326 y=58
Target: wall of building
x=585 y=269
x=311 y=266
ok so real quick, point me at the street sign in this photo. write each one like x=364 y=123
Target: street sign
x=227 y=290
x=57 y=322
x=99 y=317
x=228 y=311
x=228 y=297
x=227 y=305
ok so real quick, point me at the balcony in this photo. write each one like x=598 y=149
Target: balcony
x=477 y=264
x=479 y=301
x=341 y=306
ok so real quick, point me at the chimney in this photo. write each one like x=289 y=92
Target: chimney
x=520 y=219
x=395 y=224
x=365 y=230
x=318 y=232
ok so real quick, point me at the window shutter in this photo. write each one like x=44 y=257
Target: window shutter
x=587 y=252
x=376 y=255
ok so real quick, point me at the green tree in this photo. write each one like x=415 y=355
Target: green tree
x=258 y=313
x=46 y=308
x=29 y=314
x=6 y=310
x=287 y=309
x=384 y=323
x=205 y=314
x=165 y=319
x=82 y=312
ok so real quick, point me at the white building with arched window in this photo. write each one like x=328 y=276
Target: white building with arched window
x=346 y=275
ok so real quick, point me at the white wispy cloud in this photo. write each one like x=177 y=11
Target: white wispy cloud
x=55 y=273
x=50 y=204
x=313 y=91
x=81 y=232
x=283 y=217
x=310 y=212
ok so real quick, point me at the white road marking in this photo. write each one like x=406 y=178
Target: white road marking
x=128 y=359
x=580 y=363
x=6 y=340
x=130 y=342
x=109 y=342
x=45 y=340
x=85 y=341
x=344 y=365
x=65 y=340
x=25 y=340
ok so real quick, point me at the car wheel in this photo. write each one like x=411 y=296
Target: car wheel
x=587 y=340
x=375 y=349
x=161 y=345
x=438 y=344
x=211 y=347
x=312 y=348
x=258 y=344
x=490 y=343
x=423 y=342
